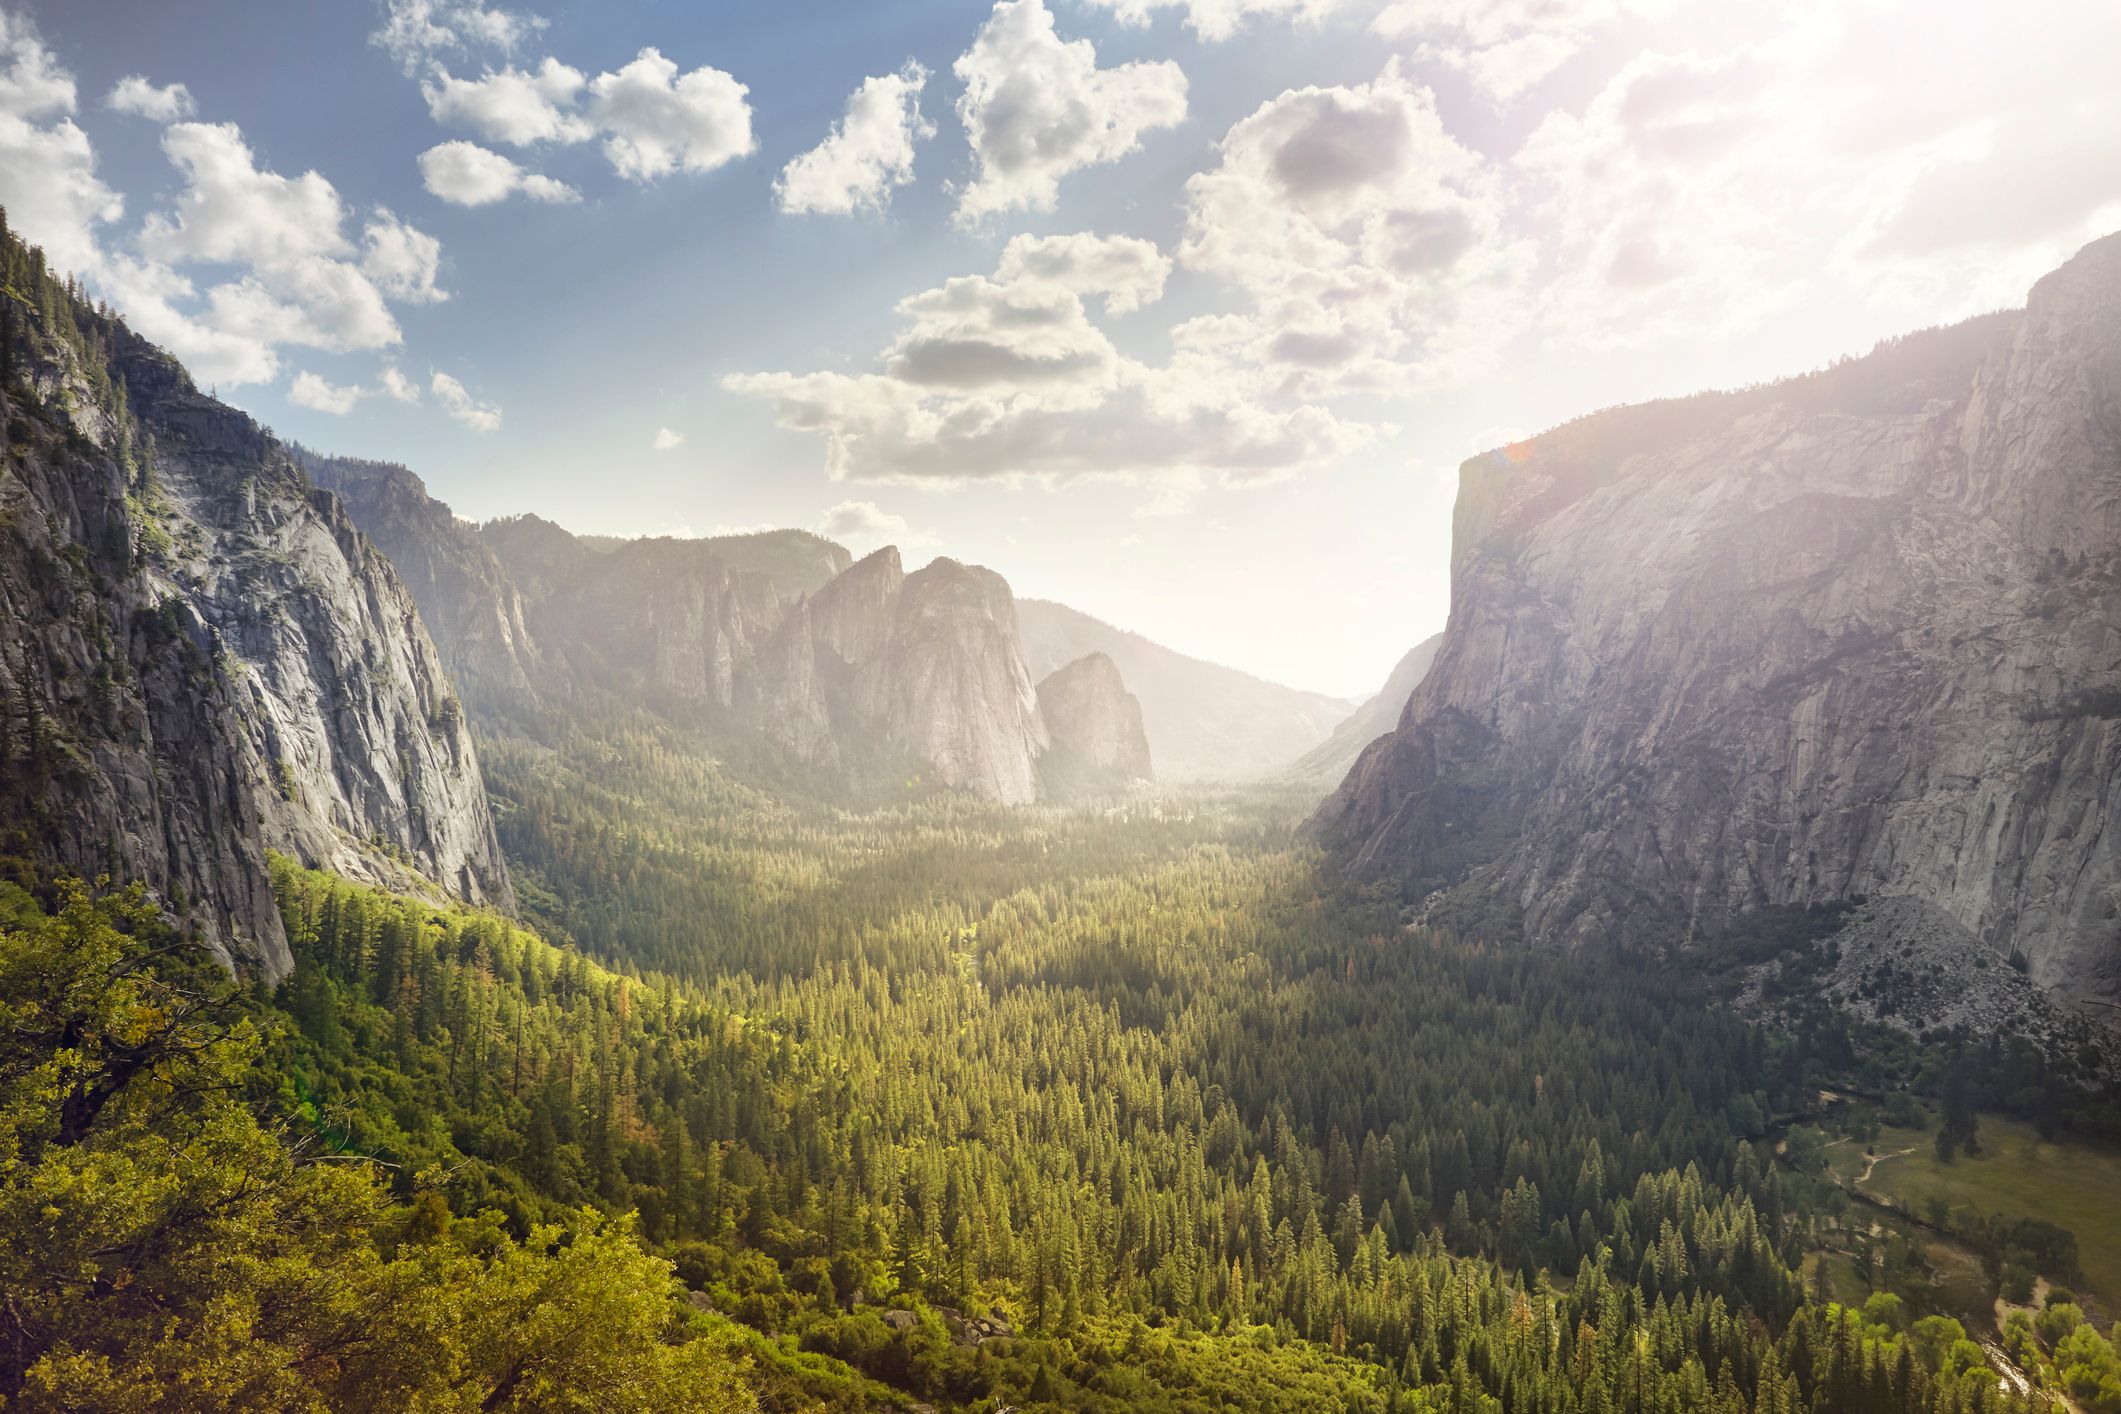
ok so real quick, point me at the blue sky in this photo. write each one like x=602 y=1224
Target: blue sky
x=1202 y=315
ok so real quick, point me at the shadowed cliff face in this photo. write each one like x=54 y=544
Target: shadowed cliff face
x=1857 y=633
x=201 y=658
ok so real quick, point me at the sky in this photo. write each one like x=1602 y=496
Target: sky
x=1183 y=312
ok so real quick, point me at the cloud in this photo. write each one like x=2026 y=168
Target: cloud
x=1005 y=376
x=134 y=94
x=861 y=520
x=1702 y=192
x=458 y=402
x=230 y=211
x=657 y=121
x=512 y=106
x=667 y=440
x=1506 y=47
x=466 y=174
x=868 y=152
x=654 y=120
x=1036 y=108
x=284 y=270
x=1128 y=273
x=1371 y=244
x=305 y=282
x=863 y=526
x=32 y=83
x=47 y=165
x=1510 y=67
x=397 y=386
x=415 y=32
x=310 y=391
x=401 y=260
x=1220 y=19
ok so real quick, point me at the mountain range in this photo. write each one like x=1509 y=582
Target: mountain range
x=1848 y=637
x=846 y=674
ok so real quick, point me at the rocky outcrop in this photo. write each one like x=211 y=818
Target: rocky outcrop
x=200 y=657
x=853 y=617
x=1205 y=721
x=1854 y=634
x=950 y=688
x=1095 y=725
x=1325 y=765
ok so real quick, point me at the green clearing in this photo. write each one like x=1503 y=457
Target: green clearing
x=2073 y=1185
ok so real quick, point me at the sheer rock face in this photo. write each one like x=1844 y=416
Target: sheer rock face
x=853 y=617
x=1096 y=727
x=950 y=687
x=469 y=603
x=1857 y=633
x=201 y=659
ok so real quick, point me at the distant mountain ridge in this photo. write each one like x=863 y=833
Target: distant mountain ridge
x=1204 y=721
x=1856 y=634
x=1327 y=763
x=853 y=673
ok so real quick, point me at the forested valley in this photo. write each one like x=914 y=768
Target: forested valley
x=785 y=1106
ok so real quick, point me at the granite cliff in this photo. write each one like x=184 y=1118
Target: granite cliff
x=201 y=657
x=1096 y=727
x=1853 y=634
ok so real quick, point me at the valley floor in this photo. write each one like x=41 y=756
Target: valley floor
x=1127 y=1108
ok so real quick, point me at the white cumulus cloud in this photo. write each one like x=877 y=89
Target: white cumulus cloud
x=514 y=106
x=397 y=386
x=667 y=440
x=458 y=402
x=654 y=119
x=1037 y=107
x=466 y=174
x=868 y=152
x=863 y=526
x=1127 y=272
x=310 y=391
x=402 y=260
x=657 y=120
x=47 y=165
x=1705 y=190
x=1372 y=244
x=281 y=267
x=163 y=104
